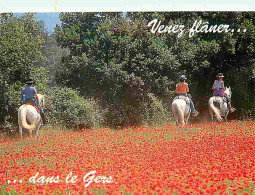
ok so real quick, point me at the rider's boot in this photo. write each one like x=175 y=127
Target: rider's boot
x=195 y=113
x=231 y=109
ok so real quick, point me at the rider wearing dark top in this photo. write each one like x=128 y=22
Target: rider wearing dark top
x=29 y=94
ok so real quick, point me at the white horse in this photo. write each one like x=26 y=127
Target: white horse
x=29 y=118
x=218 y=107
x=181 y=111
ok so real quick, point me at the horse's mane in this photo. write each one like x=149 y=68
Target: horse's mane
x=227 y=91
x=40 y=99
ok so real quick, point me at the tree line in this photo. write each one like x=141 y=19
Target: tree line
x=110 y=69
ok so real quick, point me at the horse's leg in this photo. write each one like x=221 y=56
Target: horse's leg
x=38 y=126
x=37 y=132
x=20 y=131
x=226 y=118
x=211 y=113
x=187 y=119
x=30 y=133
x=182 y=123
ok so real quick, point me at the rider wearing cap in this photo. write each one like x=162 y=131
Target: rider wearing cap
x=182 y=88
x=29 y=94
x=219 y=88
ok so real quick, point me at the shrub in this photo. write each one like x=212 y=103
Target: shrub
x=154 y=111
x=149 y=110
x=65 y=106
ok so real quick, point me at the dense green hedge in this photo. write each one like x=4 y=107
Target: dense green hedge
x=64 y=106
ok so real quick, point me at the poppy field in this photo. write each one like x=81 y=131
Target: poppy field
x=199 y=159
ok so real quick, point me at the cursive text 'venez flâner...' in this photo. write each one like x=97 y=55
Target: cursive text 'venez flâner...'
x=157 y=27
x=197 y=27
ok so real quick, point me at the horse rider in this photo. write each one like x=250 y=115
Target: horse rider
x=219 y=88
x=29 y=94
x=182 y=88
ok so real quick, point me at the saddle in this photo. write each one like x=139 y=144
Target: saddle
x=223 y=98
x=187 y=100
x=32 y=104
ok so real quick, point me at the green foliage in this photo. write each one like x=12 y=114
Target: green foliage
x=20 y=47
x=114 y=43
x=120 y=61
x=115 y=60
x=41 y=77
x=154 y=111
x=65 y=106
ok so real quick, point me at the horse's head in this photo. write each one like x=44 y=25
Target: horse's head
x=228 y=91
x=40 y=100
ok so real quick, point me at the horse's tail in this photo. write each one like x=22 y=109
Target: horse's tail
x=214 y=109
x=178 y=113
x=22 y=117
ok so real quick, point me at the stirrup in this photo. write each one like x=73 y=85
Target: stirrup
x=232 y=110
x=195 y=113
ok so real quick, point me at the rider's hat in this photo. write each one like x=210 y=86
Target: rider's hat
x=184 y=77
x=220 y=75
x=30 y=81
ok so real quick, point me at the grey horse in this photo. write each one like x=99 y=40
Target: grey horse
x=29 y=118
x=218 y=107
x=181 y=110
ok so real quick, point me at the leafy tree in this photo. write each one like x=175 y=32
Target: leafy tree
x=21 y=47
x=118 y=59
x=114 y=59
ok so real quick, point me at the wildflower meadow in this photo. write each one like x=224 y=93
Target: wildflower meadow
x=198 y=159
